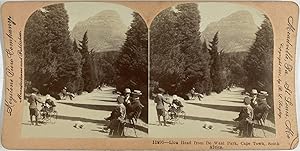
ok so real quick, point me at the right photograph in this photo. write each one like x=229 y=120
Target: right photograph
x=211 y=72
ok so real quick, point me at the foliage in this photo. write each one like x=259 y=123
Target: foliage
x=132 y=63
x=258 y=64
x=47 y=47
x=216 y=69
x=88 y=68
x=178 y=61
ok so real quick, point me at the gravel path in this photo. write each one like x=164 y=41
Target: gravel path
x=89 y=108
x=217 y=109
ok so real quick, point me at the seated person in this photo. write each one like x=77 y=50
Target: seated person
x=47 y=107
x=50 y=103
x=175 y=106
x=176 y=102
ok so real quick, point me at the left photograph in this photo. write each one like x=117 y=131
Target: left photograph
x=86 y=72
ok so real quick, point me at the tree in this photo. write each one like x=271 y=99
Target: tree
x=216 y=66
x=49 y=46
x=78 y=84
x=132 y=63
x=188 y=25
x=38 y=69
x=167 y=61
x=178 y=61
x=197 y=59
x=88 y=68
x=258 y=64
x=233 y=65
x=133 y=60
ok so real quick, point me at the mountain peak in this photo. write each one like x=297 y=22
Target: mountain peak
x=236 y=31
x=108 y=13
x=242 y=15
x=106 y=31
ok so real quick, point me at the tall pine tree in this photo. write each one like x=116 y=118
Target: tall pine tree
x=196 y=64
x=258 y=64
x=132 y=63
x=167 y=61
x=88 y=68
x=51 y=46
x=216 y=66
x=178 y=61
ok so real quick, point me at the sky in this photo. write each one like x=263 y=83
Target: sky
x=209 y=11
x=212 y=11
x=80 y=11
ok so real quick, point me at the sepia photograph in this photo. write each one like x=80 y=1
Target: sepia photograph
x=211 y=72
x=158 y=75
x=86 y=72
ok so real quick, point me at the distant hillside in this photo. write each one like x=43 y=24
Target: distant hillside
x=236 y=32
x=106 y=31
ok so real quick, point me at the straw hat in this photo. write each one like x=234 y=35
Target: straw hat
x=127 y=90
x=161 y=90
x=35 y=89
x=254 y=91
x=263 y=93
x=48 y=97
x=175 y=97
x=137 y=92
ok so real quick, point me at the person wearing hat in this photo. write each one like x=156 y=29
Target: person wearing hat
x=127 y=99
x=33 y=100
x=50 y=103
x=64 y=93
x=193 y=93
x=127 y=93
x=117 y=118
x=160 y=108
x=135 y=106
x=262 y=109
x=254 y=98
x=175 y=107
x=245 y=120
x=246 y=123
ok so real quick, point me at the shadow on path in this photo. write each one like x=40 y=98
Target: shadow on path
x=229 y=123
x=232 y=101
x=114 y=101
x=137 y=127
x=204 y=119
x=91 y=106
x=220 y=107
x=70 y=118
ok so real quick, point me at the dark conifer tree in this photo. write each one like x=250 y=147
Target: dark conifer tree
x=132 y=63
x=258 y=64
x=216 y=66
x=167 y=61
x=178 y=61
x=50 y=46
x=196 y=70
x=88 y=72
